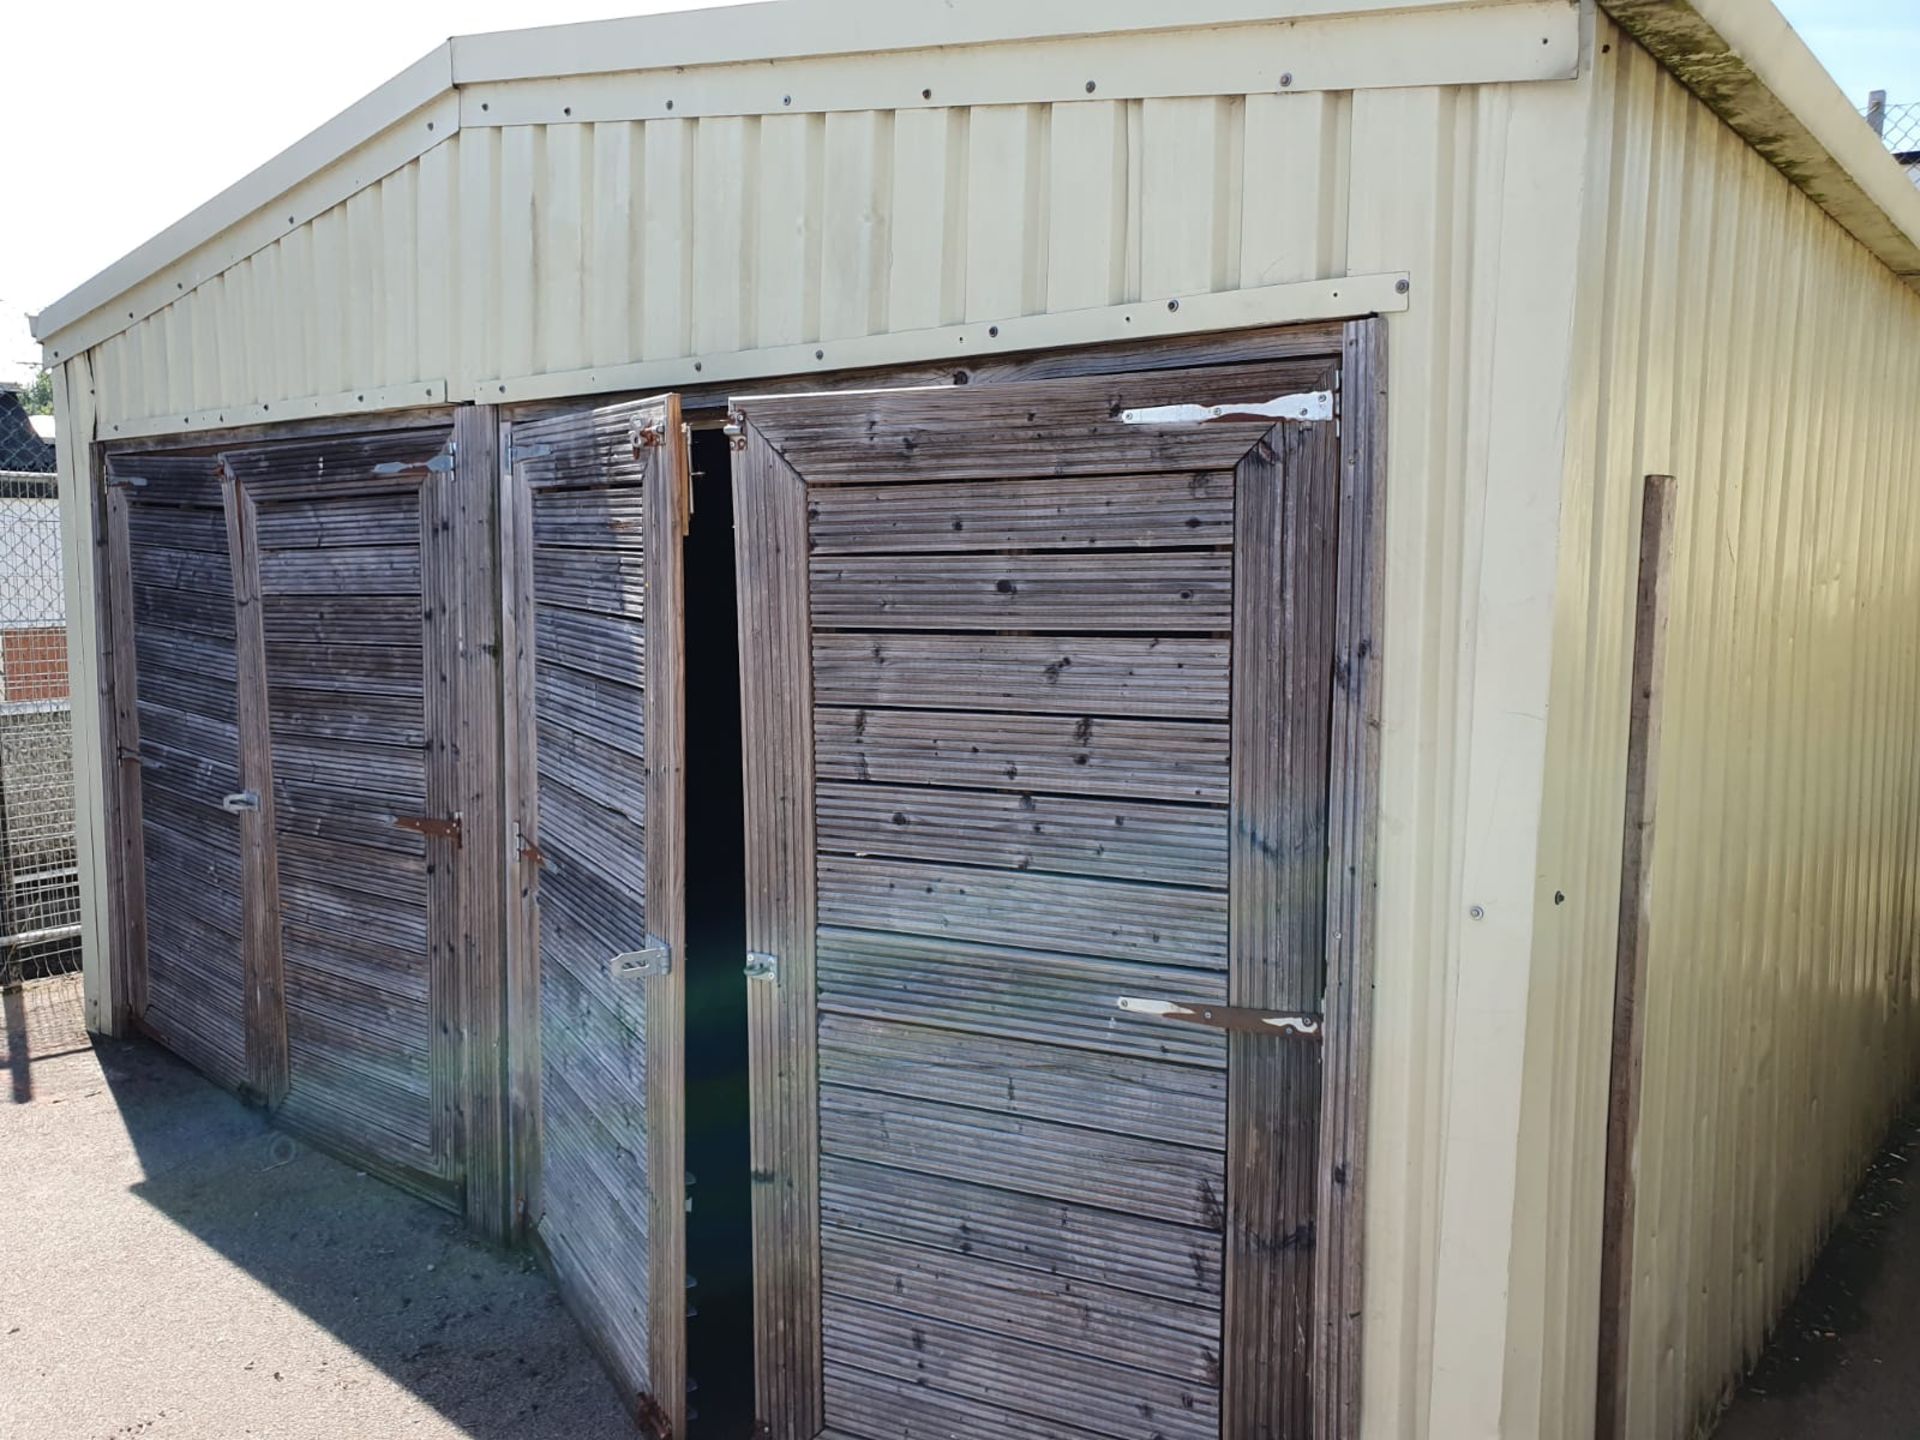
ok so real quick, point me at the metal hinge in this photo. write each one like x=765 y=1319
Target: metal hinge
x=762 y=966
x=439 y=465
x=124 y=482
x=1226 y=1017
x=646 y=437
x=537 y=450
x=530 y=850
x=433 y=827
x=655 y=959
x=1306 y=407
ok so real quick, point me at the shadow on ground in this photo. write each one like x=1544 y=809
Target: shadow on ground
x=192 y=1272
x=1844 y=1360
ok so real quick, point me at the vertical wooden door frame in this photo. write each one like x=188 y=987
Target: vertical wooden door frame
x=480 y=777
x=1352 y=832
x=262 y=963
x=523 y=859
x=1630 y=967
x=120 y=748
x=771 y=523
x=776 y=701
x=666 y=514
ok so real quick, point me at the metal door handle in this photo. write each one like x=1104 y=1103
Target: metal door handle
x=240 y=802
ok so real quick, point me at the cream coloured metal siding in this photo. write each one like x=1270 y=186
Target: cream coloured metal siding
x=1734 y=336
x=549 y=250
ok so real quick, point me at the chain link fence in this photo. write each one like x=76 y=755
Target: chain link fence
x=1898 y=126
x=39 y=866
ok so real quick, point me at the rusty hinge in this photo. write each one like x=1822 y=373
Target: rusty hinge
x=1243 y=1018
x=530 y=850
x=433 y=827
x=647 y=436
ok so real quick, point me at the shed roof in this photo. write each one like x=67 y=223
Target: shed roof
x=1741 y=56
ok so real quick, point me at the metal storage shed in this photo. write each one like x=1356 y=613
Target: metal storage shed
x=1561 y=482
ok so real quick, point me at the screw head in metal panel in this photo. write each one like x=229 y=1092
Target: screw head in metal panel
x=1402 y=286
x=1477 y=913
x=1286 y=80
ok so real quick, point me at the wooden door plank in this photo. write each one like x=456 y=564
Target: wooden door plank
x=127 y=895
x=520 y=780
x=1159 y=593
x=1286 y=493
x=439 y=588
x=1353 y=807
x=482 y=851
x=668 y=487
x=266 y=999
x=770 y=530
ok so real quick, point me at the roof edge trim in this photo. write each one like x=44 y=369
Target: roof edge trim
x=804 y=29
x=419 y=84
x=1753 y=70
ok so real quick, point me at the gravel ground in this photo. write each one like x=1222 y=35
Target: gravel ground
x=172 y=1267
x=1844 y=1361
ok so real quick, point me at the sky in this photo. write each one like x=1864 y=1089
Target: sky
x=129 y=115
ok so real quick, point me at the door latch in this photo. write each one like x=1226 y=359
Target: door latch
x=240 y=802
x=762 y=966
x=655 y=959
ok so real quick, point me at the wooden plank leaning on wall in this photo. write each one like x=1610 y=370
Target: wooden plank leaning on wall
x=1630 y=972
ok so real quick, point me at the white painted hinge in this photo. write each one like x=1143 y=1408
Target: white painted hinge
x=1306 y=407
x=1226 y=1017
x=655 y=959
x=439 y=465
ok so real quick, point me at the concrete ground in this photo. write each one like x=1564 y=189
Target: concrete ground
x=1844 y=1362
x=171 y=1267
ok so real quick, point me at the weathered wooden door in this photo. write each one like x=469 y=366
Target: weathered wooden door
x=596 y=505
x=343 y=573
x=183 y=825
x=1038 y=682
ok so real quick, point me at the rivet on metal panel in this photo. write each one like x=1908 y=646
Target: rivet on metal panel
x=1286 y=80
x=762 y=966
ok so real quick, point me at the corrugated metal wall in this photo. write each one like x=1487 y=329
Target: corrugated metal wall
x=1732 y=335
x=534 y=249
